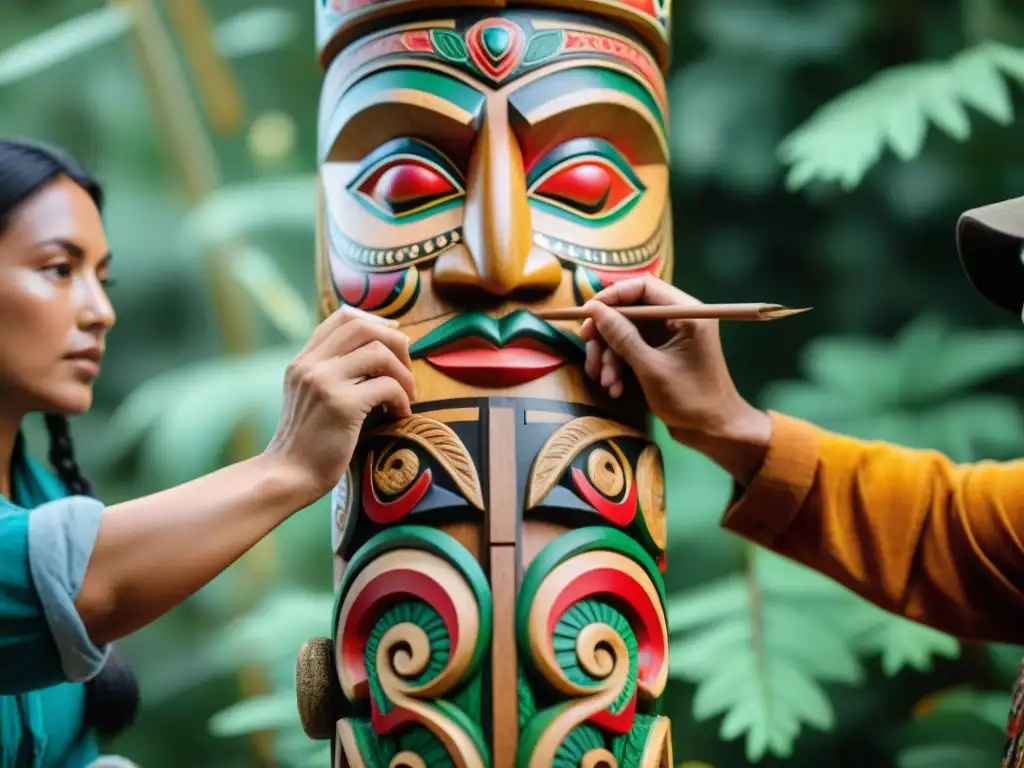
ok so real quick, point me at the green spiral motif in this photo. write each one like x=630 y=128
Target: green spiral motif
x=422 y=742
x=378 y=752
x=629 y=748
x=527 y=704
x=580 y=741
x=575 y=620
x=426 y=618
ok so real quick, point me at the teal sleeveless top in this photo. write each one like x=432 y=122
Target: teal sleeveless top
x=46 y=538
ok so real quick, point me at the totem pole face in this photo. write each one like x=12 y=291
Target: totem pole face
x=479 y=167
x=499 y=553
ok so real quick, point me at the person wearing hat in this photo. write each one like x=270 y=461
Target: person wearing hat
x=910 y=530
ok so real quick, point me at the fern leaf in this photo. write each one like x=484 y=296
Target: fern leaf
x=846 y=137
x=900 y=643
x=768 y=625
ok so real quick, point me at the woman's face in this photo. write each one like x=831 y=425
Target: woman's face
x=54 y=310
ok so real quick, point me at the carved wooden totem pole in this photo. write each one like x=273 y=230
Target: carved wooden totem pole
x=499 y=555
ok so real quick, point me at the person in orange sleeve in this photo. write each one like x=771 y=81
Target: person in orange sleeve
x=910 y=530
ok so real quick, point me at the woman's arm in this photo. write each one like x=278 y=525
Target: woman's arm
x=75 y=575
x=152 y=553
x=909 y=530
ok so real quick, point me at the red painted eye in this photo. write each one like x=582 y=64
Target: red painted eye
x=590 y=186
x=407 y=185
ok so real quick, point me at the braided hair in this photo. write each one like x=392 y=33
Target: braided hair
x=112 y=696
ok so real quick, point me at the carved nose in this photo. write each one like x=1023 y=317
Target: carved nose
x=498 y=256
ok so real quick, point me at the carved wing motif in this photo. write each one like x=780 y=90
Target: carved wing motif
x=563 y=446
x=444 y=445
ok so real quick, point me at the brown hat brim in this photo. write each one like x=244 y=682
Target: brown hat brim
x=990 y=241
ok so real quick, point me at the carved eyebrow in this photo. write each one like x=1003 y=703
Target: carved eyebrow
x=589 y=86
x=422 y=88
x=537 y=93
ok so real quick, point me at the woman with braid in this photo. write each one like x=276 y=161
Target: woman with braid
x=910 y=530
x=76 y=575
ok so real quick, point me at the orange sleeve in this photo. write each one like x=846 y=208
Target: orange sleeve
x=909 y=530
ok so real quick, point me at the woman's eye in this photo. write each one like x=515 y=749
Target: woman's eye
x=404 y=186
x=592 y=187
x=59 y=270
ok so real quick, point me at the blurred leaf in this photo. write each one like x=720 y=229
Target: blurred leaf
x=893 y=109
x=783 y=32
x=233 y=211
x=209 y=399
x=1007 y=659
x=963 y=359
x=256 y=30
x=904 y=391
x=854 y=368
x=63 y=42
x=900 y=642
x=258 y=713
x=779 y=653
x=945 y=756
x=271 y=291
x=277 y=628
x=957 y=727
x=991 y=708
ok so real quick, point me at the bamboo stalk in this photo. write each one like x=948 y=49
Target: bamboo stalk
x=214 y=79
x=193 y=157
x=745 y=312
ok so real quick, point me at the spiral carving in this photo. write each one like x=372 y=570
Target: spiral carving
x=650 y=480
x=606 y=472
x=396 y=471
x=413 y=622
x=590 y=617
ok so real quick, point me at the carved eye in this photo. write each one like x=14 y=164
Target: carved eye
x=586 y=178
x=404 y=178
x=606 y=473
x=395 y=472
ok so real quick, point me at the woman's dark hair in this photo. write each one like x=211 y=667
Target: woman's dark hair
x=25 y=168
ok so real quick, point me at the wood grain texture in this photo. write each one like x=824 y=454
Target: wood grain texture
x=455 y=415
x=502 y=510
x=546 y=417
x=748 y=312
x=504 y=659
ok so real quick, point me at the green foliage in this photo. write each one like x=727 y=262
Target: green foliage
x=63 y=42
x=211 y=398
x=910 y=391
x=771 y=653
x=778 y=655
x=847 y=136
x=958 y=727
x=257 y=30
x=787 y=632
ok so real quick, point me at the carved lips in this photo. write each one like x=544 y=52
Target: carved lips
x=483 y=351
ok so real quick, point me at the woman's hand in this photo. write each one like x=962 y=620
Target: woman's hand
x=153 y=552
x=352 y=363
x=682 y=371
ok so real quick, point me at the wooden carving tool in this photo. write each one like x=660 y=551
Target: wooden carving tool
x=748 y=312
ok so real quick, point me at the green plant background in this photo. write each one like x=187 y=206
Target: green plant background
x=821 y=154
